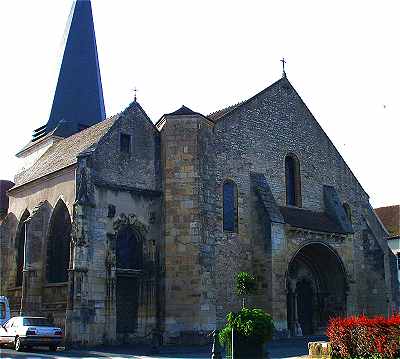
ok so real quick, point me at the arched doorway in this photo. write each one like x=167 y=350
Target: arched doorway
x=316 y=287
x=129 y=268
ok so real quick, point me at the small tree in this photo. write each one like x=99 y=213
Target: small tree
x=246 y=285
x=246 y=331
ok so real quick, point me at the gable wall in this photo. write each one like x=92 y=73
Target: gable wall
x=256 y=137
x=262 y=132
x=140 y=167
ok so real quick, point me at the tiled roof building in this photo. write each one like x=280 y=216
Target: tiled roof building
x=390 y=217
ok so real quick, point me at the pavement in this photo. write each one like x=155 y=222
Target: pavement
x=277 y=349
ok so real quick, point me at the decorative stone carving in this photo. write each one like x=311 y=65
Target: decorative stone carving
x=131 y=220
x=82 y=195
x=299 y=236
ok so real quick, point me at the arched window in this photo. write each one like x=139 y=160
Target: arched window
x=347 y=210
x=58 y=244
x=293 y=181
x=230 y=207
x=129 y=249
x=20 y=246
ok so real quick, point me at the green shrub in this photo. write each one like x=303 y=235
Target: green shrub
x=253 y=324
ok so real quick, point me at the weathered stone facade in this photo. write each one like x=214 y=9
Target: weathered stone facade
x=149 y=257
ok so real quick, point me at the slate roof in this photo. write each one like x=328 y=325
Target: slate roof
x=307 y=219
x=78 y=99
x=266 y=197
x=390 y=217
x=183 y=111
x=65 y=152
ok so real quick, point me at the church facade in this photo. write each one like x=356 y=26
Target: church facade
x=121 y=229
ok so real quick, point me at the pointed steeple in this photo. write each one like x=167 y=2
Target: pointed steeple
x=78 y=100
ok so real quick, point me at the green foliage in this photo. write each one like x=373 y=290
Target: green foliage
x=249 y=323
x=245 y=284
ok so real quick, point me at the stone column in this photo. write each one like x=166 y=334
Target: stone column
x=278 y=281
x=76 y=328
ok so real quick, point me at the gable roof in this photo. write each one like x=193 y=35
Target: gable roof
x=182 y=111
x=390 y=217
x=65 y=152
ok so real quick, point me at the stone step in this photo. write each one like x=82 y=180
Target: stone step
x=319 y=350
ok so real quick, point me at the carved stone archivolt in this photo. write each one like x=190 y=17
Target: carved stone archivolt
x=131 y=220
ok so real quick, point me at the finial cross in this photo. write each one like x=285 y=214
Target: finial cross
x=135 y=91
x=283 y=66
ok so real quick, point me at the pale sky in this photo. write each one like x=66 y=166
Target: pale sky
x=342 y=57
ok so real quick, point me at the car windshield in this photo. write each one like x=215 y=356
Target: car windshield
x=37 y=322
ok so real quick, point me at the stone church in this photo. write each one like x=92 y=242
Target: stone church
x=118 y=228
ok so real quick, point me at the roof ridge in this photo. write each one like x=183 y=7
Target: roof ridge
x=232 y=108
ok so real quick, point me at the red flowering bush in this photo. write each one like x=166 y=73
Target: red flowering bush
x=364 y=337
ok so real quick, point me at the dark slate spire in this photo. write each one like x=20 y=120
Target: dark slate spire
x=78 y=101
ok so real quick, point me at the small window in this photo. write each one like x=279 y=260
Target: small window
x=125 y=143
x=230 y=207
x=293 y=181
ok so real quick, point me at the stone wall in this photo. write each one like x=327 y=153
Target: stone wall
x=189 y=311
x=37 y=200
x=115 y=189
x=256 y=137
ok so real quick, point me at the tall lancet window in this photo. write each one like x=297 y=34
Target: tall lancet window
x=58 y=244
x=293 y=181
x=230 y=207
x=20 y=248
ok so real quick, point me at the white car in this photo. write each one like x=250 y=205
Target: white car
x=26 y=332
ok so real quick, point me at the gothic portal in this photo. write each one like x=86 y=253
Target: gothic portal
x=317 y=289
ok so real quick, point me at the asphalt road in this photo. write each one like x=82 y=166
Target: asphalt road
x=278 y=349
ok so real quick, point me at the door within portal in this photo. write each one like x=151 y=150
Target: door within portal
x=129 y=260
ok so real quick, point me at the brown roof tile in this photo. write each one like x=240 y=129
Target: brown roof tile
x=64 y=153
x=390 y=217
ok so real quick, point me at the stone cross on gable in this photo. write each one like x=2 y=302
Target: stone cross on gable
x=283 y=67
